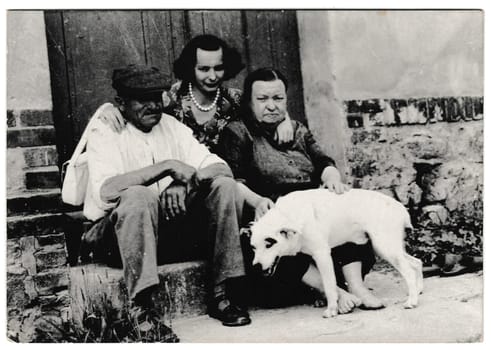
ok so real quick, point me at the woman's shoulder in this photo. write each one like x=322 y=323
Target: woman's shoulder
x=175 y=87
x=233 y=94
x=237 y=126
x=238 y=129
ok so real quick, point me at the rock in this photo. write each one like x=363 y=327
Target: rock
x=27 y=332
x=438 y=190
x=13 y=251
x=424 y=145
x=52 y=280
x=17 y=297
x=48 y=259
x=437 y=214
x=409 y=193
x=28 y=248
x=455 y=183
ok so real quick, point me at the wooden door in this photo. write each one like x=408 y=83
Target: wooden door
x=84 y=46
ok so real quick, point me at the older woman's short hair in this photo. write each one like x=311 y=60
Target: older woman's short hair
x=261 y=74
x=184 y=65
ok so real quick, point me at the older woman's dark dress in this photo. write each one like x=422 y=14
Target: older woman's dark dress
x=271 y=171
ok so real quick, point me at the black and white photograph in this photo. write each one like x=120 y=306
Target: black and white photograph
x=244 y=175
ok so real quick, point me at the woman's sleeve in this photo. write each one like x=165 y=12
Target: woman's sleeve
x=319 y=158
x=234 y=147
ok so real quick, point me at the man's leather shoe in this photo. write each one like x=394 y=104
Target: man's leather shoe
x=231 y=315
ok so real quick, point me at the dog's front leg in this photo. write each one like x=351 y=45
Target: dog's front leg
x=323 y=260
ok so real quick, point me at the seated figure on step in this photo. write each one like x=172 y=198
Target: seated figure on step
x=154 y=190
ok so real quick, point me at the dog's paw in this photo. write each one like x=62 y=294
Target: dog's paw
x=330 y=312
x=410 y=304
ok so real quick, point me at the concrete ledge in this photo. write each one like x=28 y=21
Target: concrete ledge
x=181 y=293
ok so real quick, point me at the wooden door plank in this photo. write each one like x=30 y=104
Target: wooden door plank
x=285 y=53
x=258 y=40
x=59 y=85
x=227 y=25
x=165 y=36
x=96 y=43
x=195 y=23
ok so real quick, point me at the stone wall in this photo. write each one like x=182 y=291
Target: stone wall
x=37 y=270
x=37 y=285
x=430 y=159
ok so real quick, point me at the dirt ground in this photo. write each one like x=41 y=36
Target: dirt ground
x=450 y=310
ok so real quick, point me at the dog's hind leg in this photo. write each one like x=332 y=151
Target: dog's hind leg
x=390 y=247
x=418 y=268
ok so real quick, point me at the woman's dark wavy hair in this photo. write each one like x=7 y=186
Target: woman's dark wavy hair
x=261 y=74
x=184 y=65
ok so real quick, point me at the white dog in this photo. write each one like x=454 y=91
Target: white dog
x=314 y=221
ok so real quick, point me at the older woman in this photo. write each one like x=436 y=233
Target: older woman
x=266 y=170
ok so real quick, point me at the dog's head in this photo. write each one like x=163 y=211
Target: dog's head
x=274 y=235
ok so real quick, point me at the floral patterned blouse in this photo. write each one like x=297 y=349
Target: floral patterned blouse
x=178 y=104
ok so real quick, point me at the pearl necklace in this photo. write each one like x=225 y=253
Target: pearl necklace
x=198 y=105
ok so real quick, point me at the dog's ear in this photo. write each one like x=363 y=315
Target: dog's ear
x=288 y=232
x=246 y=230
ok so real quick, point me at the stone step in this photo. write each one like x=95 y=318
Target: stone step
x=31 y=136
x=181 y=292
x=43 y=177
x=71 y=224
x=43 y=223
x=34 y=202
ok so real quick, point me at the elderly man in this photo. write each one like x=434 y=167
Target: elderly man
x=153 y=185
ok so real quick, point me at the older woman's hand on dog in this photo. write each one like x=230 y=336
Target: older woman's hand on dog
x=331 y=179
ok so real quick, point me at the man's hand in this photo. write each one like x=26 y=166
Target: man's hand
x=284 y=131
x=331 y=179
x=212 y=172
x=173 y=200
x=262 y=206
x=182 y=173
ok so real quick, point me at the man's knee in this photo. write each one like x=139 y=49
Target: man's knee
x=224 y=184
x=139 y=197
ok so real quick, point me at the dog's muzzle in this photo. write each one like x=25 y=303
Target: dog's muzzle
x=269 y=272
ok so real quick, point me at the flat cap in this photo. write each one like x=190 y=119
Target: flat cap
x=138 y=80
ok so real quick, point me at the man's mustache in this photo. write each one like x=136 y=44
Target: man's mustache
x=156 y=110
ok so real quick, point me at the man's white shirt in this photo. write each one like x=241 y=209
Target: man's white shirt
x=110 y=153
